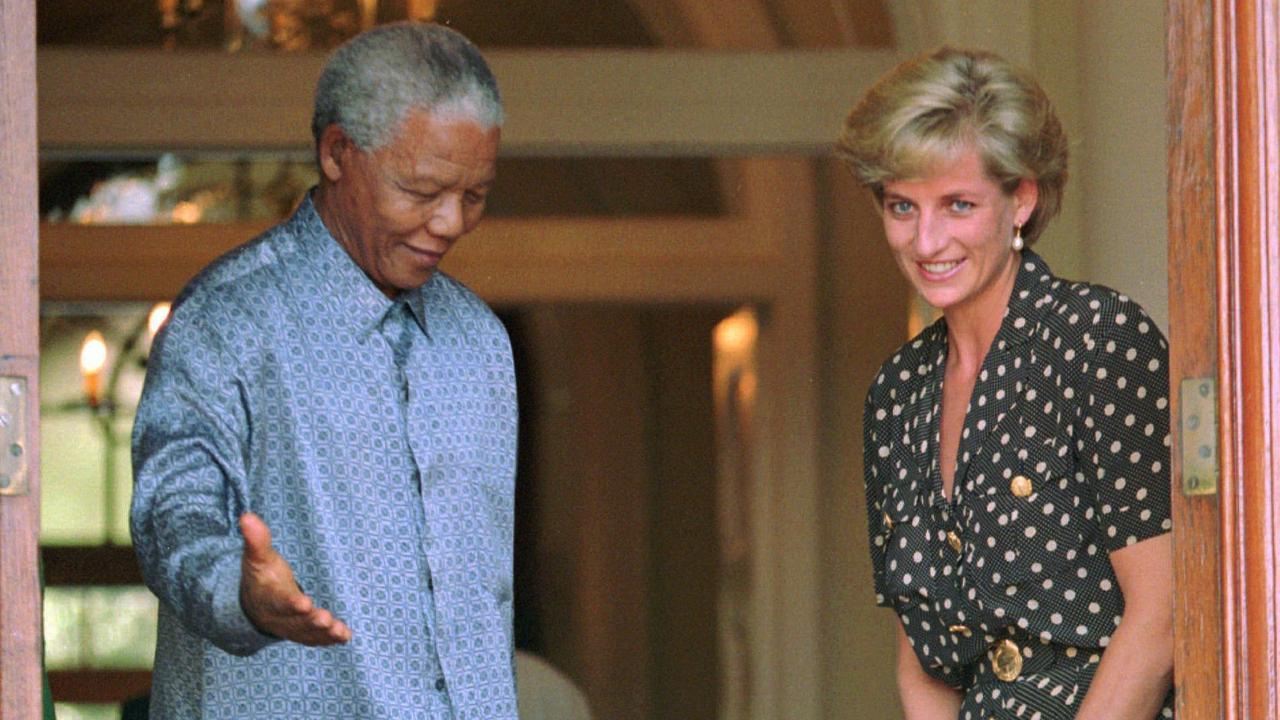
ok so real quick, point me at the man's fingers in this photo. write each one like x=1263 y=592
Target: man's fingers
x=273 y=600
x=321 y=619
x=257 y=538
x=301 y=604
x=337 y=631
x=319 y=629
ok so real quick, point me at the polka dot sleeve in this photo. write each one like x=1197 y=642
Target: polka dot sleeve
x=873 y=438
x=1123 y=430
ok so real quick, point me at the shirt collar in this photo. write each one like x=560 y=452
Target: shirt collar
x=344 y=290
x=1031 y=296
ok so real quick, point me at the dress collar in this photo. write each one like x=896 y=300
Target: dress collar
x=1030 y=297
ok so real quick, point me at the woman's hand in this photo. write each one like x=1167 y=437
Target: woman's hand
x=923 y=697
x=1137 y=667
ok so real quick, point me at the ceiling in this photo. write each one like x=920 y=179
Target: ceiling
x=721 y=24
x=529 y=187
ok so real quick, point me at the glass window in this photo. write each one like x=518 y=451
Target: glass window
x=86 y=417
x=99 y=627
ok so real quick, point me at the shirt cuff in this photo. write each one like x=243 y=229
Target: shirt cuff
x=235 y=632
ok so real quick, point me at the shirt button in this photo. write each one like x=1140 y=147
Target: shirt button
x=1020 y=486
x=439 y=684
x=954 y=540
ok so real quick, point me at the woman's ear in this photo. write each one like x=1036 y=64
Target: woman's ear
x=331 y=152
x=1025 y=197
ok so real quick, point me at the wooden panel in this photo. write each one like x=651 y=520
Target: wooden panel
x=93 y=565
x=19 y=515
x=1224 y=55
x=556 y=101
x=836 y=23
x=98 y=686
x=591 y=413
x=786 y=672
x=1193 y=348
x=684 y=666
x=715 y=24
x=1246 y=40
x=505 y=260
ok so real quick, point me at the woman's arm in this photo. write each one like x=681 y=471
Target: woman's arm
x=1137 y=667
x=923 y=697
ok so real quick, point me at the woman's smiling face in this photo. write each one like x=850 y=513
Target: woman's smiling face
x=951 y=232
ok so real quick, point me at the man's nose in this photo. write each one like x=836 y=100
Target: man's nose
x=446 y=219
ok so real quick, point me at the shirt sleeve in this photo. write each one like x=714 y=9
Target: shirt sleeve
x=875 y=435
x=1123 y=430
x=190 y=483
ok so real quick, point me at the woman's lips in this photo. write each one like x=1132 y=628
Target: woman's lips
x=938 y=270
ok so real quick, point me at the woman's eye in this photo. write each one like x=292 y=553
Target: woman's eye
x=961 y=205
x=900 y=207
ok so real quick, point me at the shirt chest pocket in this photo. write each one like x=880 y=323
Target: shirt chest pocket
x=1030 y=525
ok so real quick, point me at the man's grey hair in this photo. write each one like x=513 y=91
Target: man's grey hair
x=372 y=81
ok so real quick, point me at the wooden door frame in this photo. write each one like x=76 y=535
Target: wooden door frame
x=20 y=635
x=1224 y=280
x=1224 y=246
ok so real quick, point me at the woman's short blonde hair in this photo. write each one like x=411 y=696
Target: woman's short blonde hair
x=929 y=108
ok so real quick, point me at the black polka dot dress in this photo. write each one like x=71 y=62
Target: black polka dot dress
x=1006 y=591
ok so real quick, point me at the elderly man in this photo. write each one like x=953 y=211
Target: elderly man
x=324 y=452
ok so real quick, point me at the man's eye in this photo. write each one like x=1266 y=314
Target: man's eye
x=421 y=195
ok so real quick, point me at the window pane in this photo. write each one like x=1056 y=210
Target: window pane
x=121 y=626
x=85 y=466
x=100 y=627
x=80 y=711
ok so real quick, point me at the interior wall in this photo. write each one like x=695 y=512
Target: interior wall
x=617 y=557
x=1122 y=164
x=1055 y=62
x=862 y=320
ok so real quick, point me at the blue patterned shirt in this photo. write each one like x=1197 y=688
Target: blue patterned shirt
x=377 y=439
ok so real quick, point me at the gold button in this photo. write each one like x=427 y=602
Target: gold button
x=954 y=540
x=888 y=522
x=1020 y=485
x=960 y=630
x=1006 y=660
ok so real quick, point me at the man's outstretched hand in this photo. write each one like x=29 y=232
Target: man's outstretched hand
x=271 y=597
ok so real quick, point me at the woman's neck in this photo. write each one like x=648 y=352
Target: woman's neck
x=973 y=325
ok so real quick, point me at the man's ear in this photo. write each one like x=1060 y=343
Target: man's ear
x=332 y=151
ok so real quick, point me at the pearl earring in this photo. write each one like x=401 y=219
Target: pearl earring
x=1018 y=244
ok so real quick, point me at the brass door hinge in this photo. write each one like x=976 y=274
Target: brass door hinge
x=1199 y=435
x=13 y=435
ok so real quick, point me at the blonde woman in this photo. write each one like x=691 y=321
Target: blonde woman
x=1017 y=450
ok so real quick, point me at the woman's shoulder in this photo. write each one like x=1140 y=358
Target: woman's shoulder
x=909 y=363
x=1092 y=311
